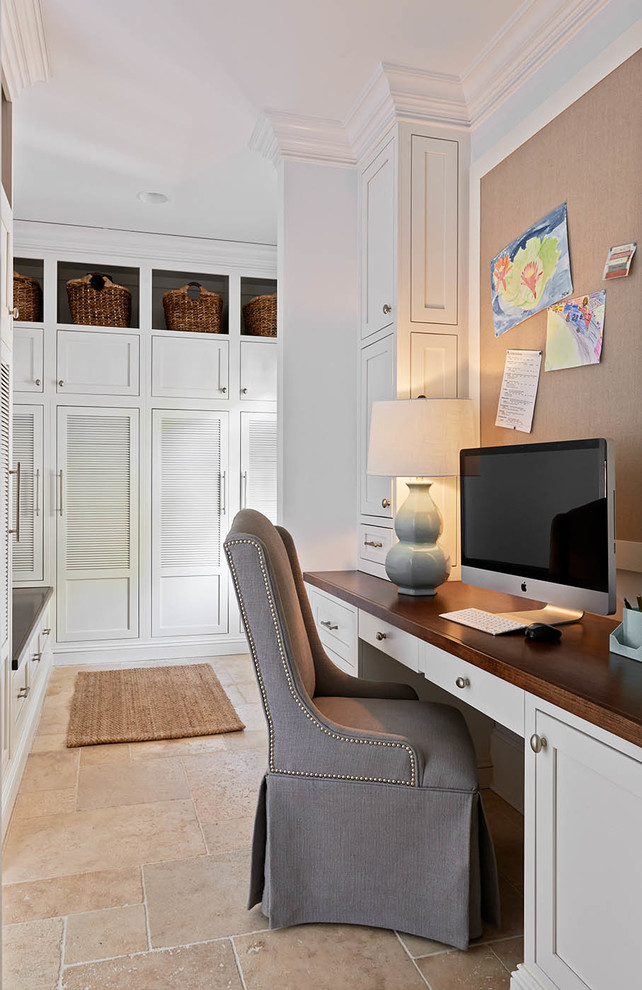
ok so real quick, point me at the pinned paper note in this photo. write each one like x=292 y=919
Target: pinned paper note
x=519 y=390
x=618 y=261
x=574 y=330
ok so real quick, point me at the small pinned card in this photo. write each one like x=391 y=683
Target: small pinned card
x=618 y=261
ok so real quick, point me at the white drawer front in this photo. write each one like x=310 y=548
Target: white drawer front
x=190 y=366
x=349 y=666
x=336 y=624
x=96 y=363
x=496 y=698
x=395 y=642
x=374 y=543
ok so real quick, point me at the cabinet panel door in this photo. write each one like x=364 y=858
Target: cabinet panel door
x=378 y=244
x=434 y=238
x=433 y=365
x=189 y=575
x=377 y=383
x=259 y=463
x=258 y=370
x=27 y=548
x=7 y=503
x=95 y=363
x=191 y=366
x=97 y=517
x=587 y=810
x=28 y=359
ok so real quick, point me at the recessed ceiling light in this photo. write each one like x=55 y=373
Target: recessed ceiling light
x=152 y=198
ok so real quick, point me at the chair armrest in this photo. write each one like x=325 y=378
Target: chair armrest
x=333 y=682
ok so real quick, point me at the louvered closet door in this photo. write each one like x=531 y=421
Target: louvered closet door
x=27 y=451
x=258 y=463
x=97 y=512
x=189 y=522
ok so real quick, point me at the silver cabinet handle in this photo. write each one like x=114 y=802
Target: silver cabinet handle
x=379 y=636
x=16 y=531
x=46 y=632
x=60 y=383
x=387 y=309
x=23 y=692
x=37 y=381
x=385 y=502
x=327 y=624
x=37 y=508
x=372 y=543
x=223 y=492
x=37 y=657
x=60 y=491
x=244 y=490
x=462 y=682
x=538 y=743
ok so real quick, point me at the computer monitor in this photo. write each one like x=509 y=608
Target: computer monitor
x=538 y=520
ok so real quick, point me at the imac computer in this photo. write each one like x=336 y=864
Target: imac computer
x=538 y=520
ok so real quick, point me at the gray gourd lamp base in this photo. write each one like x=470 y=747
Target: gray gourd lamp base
x=417 y=564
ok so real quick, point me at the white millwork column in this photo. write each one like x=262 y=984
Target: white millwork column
x=318 y=320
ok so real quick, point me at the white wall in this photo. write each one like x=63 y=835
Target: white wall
x=318 y=320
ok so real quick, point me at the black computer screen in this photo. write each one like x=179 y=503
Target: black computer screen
x=538 y=511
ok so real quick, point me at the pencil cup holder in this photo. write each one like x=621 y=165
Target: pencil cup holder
x=627 y=638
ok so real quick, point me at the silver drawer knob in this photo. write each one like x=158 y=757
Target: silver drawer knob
x=387 y=309
x=37 y=381
x=385 y=502
x=380 y=636
x=15 y=313
x=327 y=624
x=60 y=383
x=372 y=543
x=538 y=743
x=223 y=389
x=462 y=682
x=243 y=391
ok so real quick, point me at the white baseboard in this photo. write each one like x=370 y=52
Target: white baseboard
x=11 y=781
x=507 y=755
x=134 y=654
x=522 y=979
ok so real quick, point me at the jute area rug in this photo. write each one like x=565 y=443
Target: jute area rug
x=140 y=703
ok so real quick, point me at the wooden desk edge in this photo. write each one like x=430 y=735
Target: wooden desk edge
x=603 y=717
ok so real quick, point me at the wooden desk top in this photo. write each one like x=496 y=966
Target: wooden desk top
x=578 y=674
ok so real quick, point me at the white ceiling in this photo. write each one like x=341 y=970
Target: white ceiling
x=157 y=95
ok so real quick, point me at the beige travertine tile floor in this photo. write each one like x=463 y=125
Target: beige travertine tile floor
x=126 y=868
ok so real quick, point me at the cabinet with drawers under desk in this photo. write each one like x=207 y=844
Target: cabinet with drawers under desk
x=580 y=710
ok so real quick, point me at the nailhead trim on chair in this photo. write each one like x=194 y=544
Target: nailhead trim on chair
x=328 y=732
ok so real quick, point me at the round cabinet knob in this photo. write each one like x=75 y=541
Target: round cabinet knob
x=462 y=682
x=243 y=391
x=379 y=636
x=223 y=389
x=60 y=383
x=37 y=381
x=538 y=743
x=387 y=309
x=15 y=312
x=385 y=502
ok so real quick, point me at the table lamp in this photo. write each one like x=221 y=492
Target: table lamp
x=419 y=439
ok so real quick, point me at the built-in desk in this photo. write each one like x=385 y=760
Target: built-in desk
x=580 y=710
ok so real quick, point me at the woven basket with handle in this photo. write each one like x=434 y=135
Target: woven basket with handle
x=96 y=300
x=193 y=307
x=259 y=316
x=27 y=298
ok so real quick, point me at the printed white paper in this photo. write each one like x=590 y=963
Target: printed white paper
x=519 y=390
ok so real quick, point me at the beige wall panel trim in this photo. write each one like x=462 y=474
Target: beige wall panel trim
x=588 y=157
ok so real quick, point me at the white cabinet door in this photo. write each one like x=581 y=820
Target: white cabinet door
x=189 y=575
x=28 y=359
x=258 y=370
x=433 y=365
x=190 y=366
x=378 y=243
x=96 y=505
x=259 y=463
x=377 y=383
x=434 y=239
x=584 y=822
x=7 y=503
x=6 y=268
x=94 y=362
x=27 y=549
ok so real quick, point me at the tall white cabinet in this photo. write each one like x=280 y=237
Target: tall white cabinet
x=138 y=445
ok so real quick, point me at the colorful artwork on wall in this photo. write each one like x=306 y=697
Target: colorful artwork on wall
x=574 y=332
x=532 y=272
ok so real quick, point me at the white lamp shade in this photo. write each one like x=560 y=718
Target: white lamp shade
x=419 y=438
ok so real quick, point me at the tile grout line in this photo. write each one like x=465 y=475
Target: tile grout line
x=146 y=909
x=412 y=958
x=238 y=963
x=501 y=961
x=196 y=814
x=63 y=947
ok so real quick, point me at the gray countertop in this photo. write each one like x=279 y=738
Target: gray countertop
x=28 y=604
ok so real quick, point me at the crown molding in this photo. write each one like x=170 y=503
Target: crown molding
x=23 y=46
x=35 y=239
x=318 y=140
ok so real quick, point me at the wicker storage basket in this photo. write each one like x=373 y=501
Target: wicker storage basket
x=259 y=316
x=27 y=298
x=199 y=312
x=97 y=301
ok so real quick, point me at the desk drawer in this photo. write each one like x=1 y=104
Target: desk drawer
x=374 y=543
x=489 y=694
x=336 y=624
x=390 y=640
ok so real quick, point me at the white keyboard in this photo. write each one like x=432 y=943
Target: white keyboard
x=488 y=622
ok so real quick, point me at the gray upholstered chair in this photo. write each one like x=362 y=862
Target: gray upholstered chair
x=369 y=812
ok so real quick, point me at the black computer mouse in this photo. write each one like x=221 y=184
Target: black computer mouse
x=543 y=633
